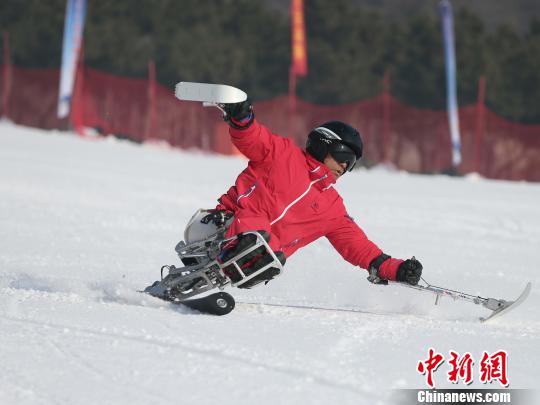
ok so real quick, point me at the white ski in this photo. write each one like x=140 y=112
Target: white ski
x=497 y=306
x=506 y=306
x=209 y=93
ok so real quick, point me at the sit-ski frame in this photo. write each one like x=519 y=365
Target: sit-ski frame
x=208 y=273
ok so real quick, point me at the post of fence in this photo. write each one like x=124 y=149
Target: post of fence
x=386 y=117
x=6 y=77
x=76 y=115
x=480 y=122
x=151 y=117
x=292 y=102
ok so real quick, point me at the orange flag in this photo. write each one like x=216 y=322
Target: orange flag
x=299 y=49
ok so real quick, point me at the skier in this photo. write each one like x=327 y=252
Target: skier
x=287 y=195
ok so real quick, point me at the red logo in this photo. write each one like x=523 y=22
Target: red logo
x=462 y=368
x=491 y=368
x=494 y=367
x=430 y=365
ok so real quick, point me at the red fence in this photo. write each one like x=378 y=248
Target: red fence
x=412 y=139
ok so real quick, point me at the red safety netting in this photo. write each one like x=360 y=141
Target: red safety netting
x=415 y=140
x=33 y=97
x=2 y=91
x=412 y=139
x=142 y=110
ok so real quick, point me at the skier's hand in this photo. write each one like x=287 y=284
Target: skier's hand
x=217 y=217
x=238 y=115
x=409 y=271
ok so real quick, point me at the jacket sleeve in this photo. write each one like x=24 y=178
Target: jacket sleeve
x=258 y=143
x=355 y=247
x=352 y=243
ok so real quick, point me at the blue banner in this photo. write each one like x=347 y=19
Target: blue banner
x=73 y=30
x=445 y=10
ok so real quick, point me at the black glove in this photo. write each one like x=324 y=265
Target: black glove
x=217 y=217
x=241 y=113
x=409 y=271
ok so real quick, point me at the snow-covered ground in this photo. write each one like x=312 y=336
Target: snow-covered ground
x=86 y=223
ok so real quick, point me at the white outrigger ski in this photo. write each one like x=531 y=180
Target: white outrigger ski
x=209 y=93
x=497 y=306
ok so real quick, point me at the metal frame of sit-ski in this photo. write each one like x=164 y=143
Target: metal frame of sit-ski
x=208 y=270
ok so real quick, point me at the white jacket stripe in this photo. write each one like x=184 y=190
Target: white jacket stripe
x=298 y=199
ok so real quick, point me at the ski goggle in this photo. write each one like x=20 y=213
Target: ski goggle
x=342 y=154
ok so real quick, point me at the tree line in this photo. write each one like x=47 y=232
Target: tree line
x=246 y=43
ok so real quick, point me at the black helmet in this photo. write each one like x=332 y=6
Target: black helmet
x=338 y=139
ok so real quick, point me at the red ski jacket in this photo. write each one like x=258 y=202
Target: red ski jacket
x=289 y=194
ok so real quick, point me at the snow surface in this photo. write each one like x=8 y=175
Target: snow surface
x=86 y=223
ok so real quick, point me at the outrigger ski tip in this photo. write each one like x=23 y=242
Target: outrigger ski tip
x=497 y=306
x=509 y=305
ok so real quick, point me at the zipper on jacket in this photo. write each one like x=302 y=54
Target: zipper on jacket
x=298 y=199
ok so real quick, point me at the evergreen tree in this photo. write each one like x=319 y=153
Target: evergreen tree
x=513 y=79
x=345 y=44
x=420 y=74
x=507 y=54
x=35 y=31
x=471 y=54
x=531 y=75
x=236 y=42
x=247 y=44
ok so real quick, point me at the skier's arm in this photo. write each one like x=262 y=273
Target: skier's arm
x=254 y=140
x=355 y=247
x=257 y=143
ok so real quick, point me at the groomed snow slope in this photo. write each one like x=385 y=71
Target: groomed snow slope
x=86 y=223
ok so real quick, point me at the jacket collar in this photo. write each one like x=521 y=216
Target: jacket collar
x=319 y=171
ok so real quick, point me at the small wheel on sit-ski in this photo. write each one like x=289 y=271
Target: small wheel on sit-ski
x=220 y=303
